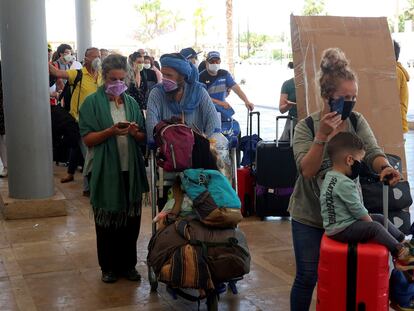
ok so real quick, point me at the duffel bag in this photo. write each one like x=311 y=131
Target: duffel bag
x=188 y=254
x=371 y=186
x=225 y=250
x=399 y=196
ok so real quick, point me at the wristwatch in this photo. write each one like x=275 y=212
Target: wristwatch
x=319 y=142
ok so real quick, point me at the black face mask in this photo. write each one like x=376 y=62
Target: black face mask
x=348 y=106
x=342 y=106
x=355 y=170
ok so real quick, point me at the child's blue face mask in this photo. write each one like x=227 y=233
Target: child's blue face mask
x=342 y=106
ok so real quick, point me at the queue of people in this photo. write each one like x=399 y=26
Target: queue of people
x=118 y=101
x=108 y=99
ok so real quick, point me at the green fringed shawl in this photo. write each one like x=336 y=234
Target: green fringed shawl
x=107 y=184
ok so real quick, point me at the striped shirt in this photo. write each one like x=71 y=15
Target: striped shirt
x=203 y=118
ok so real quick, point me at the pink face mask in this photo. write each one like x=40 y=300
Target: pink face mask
x=169 y=85
x=115 y=88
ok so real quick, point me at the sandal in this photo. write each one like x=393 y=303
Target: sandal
x=410 y=245
x=402 y=266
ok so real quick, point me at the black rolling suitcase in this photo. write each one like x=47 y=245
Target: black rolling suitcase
x=275 y=175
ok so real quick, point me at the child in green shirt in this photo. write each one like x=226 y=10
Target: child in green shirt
x=345 y=218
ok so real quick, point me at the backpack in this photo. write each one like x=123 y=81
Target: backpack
x=67 y=92
x=175 y=143
x=195 y=182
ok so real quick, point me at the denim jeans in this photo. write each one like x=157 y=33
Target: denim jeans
x=306 y=243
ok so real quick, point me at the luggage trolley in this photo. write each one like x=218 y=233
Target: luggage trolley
x=158 y=181
x=231 y=130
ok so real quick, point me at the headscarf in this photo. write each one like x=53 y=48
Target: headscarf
x=193 y=89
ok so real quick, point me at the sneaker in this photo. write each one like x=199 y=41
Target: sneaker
x=403 y=266
x=133 y=275
x=4 y=172
x=109 y=277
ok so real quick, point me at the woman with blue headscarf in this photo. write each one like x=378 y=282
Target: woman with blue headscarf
x=181 y=95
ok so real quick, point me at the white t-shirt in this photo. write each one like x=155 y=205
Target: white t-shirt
x=118 y=115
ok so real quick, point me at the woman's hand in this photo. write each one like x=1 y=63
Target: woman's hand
x=135 y=132
x=391 y=175
x=133 y=129
x=329 y=123
x=116 y=131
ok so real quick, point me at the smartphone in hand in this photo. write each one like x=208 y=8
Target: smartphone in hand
x=123 y=124
x=337 y=105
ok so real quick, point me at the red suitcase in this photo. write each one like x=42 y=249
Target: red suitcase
x=352 y=277
x=245 y=190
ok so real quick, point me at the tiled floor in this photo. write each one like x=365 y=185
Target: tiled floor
x=51 y=264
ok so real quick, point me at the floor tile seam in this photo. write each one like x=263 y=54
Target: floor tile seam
x=25 y=303
x=259 y=260
x=64 y=254
x=40 y=274
x=276 y=249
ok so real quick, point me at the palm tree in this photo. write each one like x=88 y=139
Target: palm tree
x=230 y=43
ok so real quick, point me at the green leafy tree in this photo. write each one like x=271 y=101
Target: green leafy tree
x=229 y=36
x=409 y=11
x=200 y=21
x=254 y=41
x=314 y=7
x=406 y=15
x=155 y=20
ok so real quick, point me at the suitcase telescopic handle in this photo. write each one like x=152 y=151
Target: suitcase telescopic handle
x=249 y=131
x=250 y=122
x=290 y=118
x=385 y=199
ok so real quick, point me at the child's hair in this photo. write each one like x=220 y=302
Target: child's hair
x=344 y=141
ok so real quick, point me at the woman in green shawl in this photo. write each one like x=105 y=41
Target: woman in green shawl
x=111 y=125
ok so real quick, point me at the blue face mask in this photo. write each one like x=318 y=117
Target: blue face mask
x=342 y=106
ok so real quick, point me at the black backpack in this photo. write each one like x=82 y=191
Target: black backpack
x=67 y=91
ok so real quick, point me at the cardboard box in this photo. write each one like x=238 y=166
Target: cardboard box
x=368 y=45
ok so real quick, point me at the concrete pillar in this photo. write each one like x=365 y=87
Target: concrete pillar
x=26 y=98
x=83 y=26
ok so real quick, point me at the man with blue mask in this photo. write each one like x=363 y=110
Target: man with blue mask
x=181 y=95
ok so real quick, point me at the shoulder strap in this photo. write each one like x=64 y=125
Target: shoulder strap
x=78 y=78
x=311 y=126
